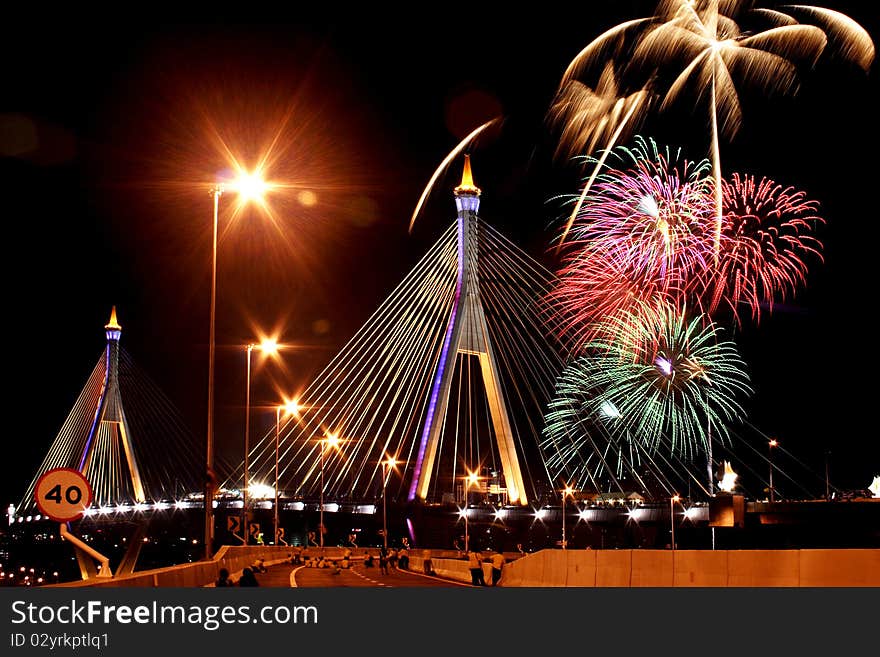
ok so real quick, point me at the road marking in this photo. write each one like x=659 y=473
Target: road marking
x=439 y=579
x=369 y=579
x=293 y=577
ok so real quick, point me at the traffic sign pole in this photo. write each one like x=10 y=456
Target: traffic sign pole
x=64 y=494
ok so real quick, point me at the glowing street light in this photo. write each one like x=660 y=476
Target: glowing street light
x=248 y=189
x=269 y=347
x=566 y=492
x=290 y=408
x=331 y=440
x=770 y=445
x=387 y=465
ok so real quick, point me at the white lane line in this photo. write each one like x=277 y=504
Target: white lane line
x=439 y=579
x=369 y=579
x=293 y=577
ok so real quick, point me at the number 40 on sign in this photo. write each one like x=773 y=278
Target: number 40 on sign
x=63 y=494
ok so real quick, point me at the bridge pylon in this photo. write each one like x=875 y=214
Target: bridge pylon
x=467 y=333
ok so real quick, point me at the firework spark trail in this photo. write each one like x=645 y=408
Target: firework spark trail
x=768 y=235
x=464 y=143
x=844 y=34
x=666 y=377
x=716 y=49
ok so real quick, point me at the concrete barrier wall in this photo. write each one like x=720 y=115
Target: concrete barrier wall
x=572 y=568
x=694 y=568
x=200 y=573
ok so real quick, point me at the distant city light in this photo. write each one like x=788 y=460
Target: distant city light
x=260 y=491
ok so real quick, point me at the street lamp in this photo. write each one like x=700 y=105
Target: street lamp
x=566 y=492
x=248 y=189
x=387 y=464
x=672 y=500
x=332 y=440
x=269 y=347
x=770 y=445
x=291 y=408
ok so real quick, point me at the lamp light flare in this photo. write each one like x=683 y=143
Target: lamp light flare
x=292 y=407
x=269 y=346
x=250 y=186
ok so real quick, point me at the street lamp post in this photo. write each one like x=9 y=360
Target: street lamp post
x=568 y=490
x=333 y=440
x=471 y=480
x=386 y=465
x=249 y=186
x=291 y=408
x=216 y=193
x=275 y=506
x=770 y=445
x=268 y=347
x=247 y=447
x=672 y=500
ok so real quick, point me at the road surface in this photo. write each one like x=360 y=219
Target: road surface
x=285 y=575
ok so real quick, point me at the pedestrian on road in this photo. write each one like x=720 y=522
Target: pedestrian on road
x=383 y=560
x=497 y=565
x=476 y=568
x=223 y=579
x=403 y=558
x=248 y=578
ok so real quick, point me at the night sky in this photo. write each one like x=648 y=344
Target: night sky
x=107 y=155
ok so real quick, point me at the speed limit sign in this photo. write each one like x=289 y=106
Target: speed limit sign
x=63 y=494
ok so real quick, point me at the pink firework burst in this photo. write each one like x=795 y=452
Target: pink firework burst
x=643 y=236
x=768 y=235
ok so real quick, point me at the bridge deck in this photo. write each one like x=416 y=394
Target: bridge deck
x=285 y=575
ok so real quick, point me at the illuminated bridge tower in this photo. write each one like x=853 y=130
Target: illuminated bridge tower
x=467 y=333
x=108 y=457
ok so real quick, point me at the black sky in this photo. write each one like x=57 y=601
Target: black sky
x=378 y=100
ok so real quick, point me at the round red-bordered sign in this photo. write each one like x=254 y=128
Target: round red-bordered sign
x=63 y=494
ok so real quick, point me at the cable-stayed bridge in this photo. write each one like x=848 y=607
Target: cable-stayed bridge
x=452 y=377
x=124 y=435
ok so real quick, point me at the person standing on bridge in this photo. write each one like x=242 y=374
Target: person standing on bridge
x=223 y=579
x=247 y=578
x=497 y=565
x=476 y=568
x=383 y=560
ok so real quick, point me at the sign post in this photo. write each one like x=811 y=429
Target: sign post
x=64 y=494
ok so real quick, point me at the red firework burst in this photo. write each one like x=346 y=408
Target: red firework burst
x=768 y=235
